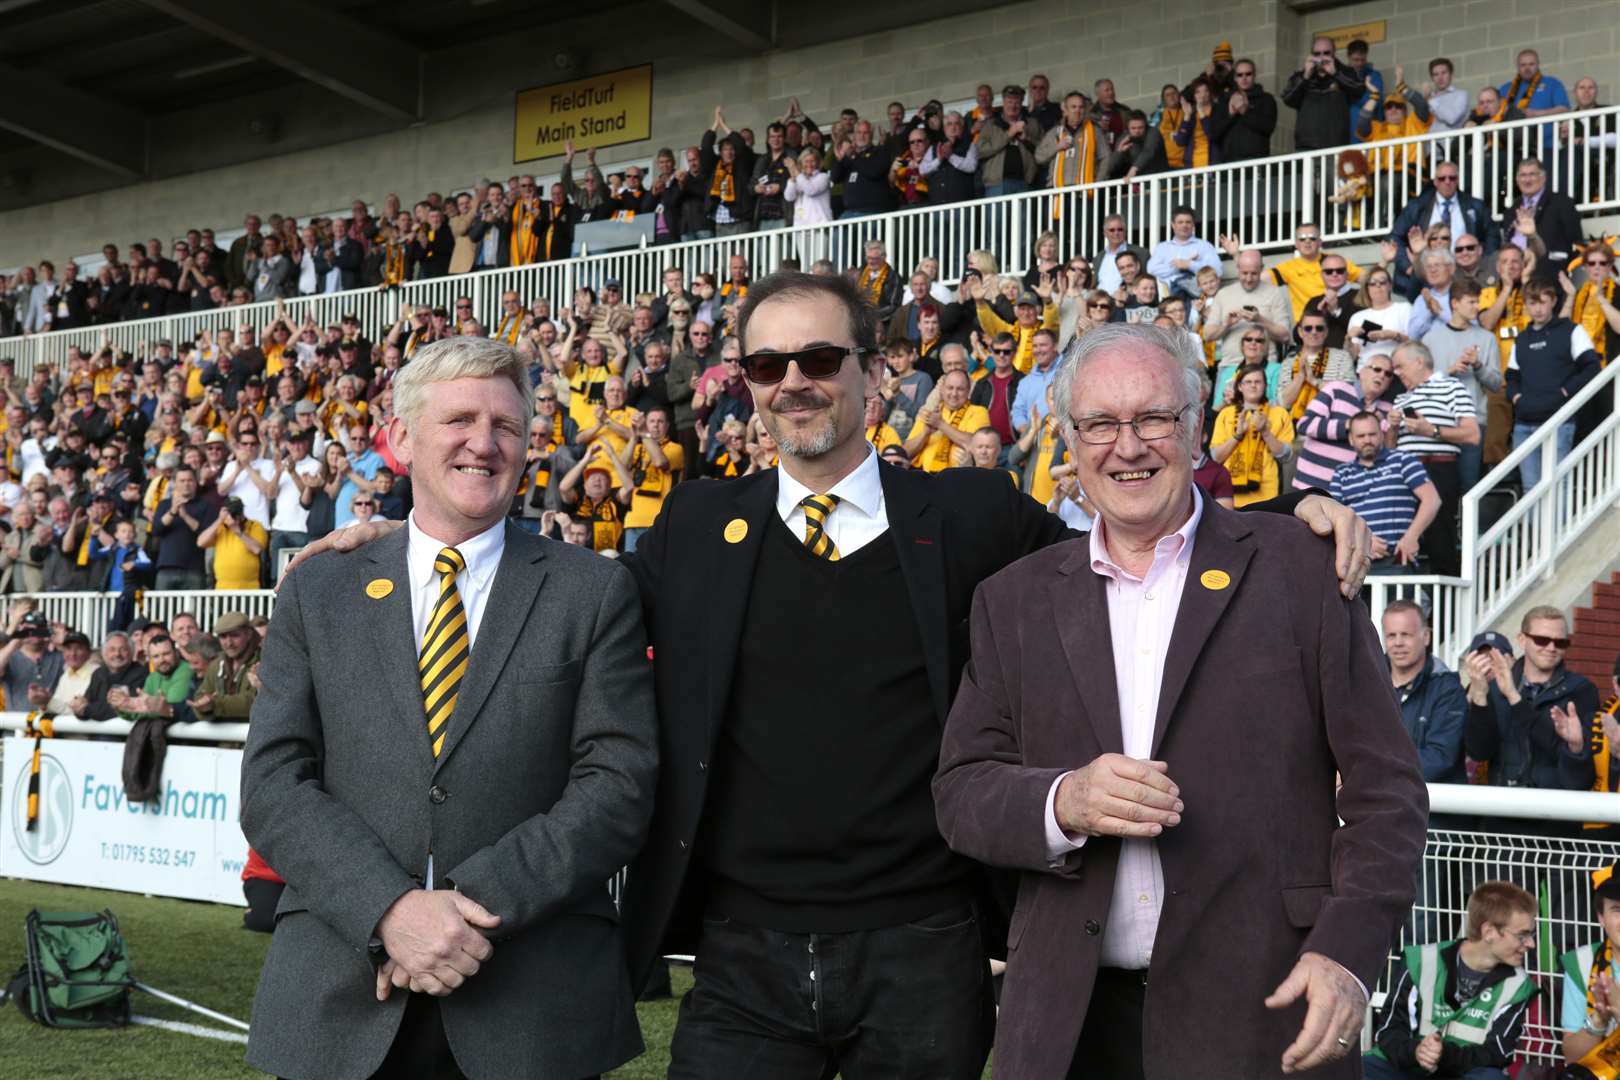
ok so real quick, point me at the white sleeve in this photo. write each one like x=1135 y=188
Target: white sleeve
x=1058 y=844
x=1580 y=342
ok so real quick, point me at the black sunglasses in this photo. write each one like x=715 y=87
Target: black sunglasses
x=820 y=362
x=1473 y=247
x=1543 y=642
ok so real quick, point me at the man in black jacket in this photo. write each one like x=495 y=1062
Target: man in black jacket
x=1322 y=91
x=432 y=247
x=952 y=165
x=1540 y=211
x=1245 y=118
x=685 y=199
x=727 y=163
x=1528 y=718
x=1443 y=203
x=69 y=307
x=863 y=169
x=1140 y=151
x=118 y=668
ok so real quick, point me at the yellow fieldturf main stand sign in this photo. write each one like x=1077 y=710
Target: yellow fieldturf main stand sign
x=602 y=110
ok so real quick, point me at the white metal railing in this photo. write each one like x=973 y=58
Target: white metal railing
x=92 y=612
x=1521 y=549
x=71 y=725
x=1261 y=201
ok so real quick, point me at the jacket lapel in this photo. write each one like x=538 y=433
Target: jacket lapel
x=511 y=598
x=731 y=576
x=1080 y=608
x=1221 y=544
x=914 y=527
x=396 y=649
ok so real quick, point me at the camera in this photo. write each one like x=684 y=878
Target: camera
x=1371 y=327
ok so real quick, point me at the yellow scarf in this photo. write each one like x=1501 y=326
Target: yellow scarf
x=1600 y=754
x=727 y=467
x=1248 y=462
x=1084 y=149
x=393 y=263
x=723 y=186
x=1523 y=102
x=910 y=181
x=515 y=322
x=524 y=244
x=1589 y=314
x=872 y=284
x=1170 y=123
x=728 y=288
x=943 y=454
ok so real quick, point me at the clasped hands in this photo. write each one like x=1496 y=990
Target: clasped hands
x=435 y=941
x=1121 y=796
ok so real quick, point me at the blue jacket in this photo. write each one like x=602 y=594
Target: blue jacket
x=1433 y=707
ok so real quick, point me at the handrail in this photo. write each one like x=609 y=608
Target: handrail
x=1542 y=804
x=198 y=731
x=91 y=612
x=1262 y=200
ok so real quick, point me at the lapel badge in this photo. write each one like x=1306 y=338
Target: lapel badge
x=736 y=531
x=379 y=588
x=1215 y=580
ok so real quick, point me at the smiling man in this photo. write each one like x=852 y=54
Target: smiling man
x=1150 y=729
x=447 y=827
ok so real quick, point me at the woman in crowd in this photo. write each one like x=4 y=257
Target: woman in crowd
x=1380 y=325
x=1252 y=438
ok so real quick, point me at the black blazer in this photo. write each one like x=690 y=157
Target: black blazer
x=951 y=530
x=1557 y=223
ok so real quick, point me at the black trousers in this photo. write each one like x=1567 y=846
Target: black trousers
x=903 y=1001
x=420 y=1051
x=1110 y=1046
x=1441 y=544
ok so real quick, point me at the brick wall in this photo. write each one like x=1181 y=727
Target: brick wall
x=1140 y=44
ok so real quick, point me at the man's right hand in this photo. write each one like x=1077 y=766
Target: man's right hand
x=1118 y=796
x=435 y=941
x=342 y=540
x=1428 y=1052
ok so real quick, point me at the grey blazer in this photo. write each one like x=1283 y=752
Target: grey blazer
x=542 y=792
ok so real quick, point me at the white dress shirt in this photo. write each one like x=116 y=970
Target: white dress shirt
x=482 y=555
x=1141 y=616
x=860 y=516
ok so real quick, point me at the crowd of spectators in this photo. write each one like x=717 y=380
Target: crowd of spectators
x=801 y=171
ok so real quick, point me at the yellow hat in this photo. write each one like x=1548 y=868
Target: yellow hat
x=1223 y=53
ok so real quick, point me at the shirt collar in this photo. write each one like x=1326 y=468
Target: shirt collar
x=862 y=489
x=1178 y=545
x=482 y=554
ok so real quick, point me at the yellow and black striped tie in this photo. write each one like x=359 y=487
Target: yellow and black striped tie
x=444 y=648
x=816 y=509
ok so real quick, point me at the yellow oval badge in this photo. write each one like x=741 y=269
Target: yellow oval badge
x=736 y=531
x=379 y=588
x=1215 y=579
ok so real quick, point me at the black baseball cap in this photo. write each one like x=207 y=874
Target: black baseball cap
x=75 y=638
x=1490 y=639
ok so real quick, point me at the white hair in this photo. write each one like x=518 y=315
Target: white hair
x=1180 y=354
x=459 y=357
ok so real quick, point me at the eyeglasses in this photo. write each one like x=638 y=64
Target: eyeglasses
x=1243 y=74
x=1319 y=52
x=543 y=400
x=700 y=333
x=821 y=362
x=1475 y=247
x=1099 y=307
x=1308 y=238
x=1445 y=179
x=1381 y=372
x=1378 y=283
x=1313 y=328
x=1148 y=426
x=1002 y=351
x=1544 y=642
x=1336 y=271
x=1590 y=262
x=362 y=502
x=463 y=307
x=1254 y=341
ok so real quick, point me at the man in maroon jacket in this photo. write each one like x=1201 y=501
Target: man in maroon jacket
x=1150 y=728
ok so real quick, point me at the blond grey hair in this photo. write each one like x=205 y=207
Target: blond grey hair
x=459 y=357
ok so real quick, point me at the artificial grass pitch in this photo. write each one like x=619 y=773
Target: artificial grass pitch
x=201 y=953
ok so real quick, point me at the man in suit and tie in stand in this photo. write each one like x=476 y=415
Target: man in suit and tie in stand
x=794 y=847
x=1150 y=731
x=448 y=824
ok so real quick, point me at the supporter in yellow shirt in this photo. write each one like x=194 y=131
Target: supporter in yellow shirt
x=654 y=462
x=611 y=420
x=589 y=494
x=1302 y=275
x=942 y=435
x=238 y=542
x=1030 y=313
x=1251 y=437
x=879 y=434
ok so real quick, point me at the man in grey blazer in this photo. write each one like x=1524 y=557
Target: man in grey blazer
x=452 y=753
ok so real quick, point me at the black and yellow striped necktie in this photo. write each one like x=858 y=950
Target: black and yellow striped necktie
x=444 y=648
x=816 y=509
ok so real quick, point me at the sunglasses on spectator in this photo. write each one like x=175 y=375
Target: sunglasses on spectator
x=1474 y=247
x=820 y=362
x=1334 y=270
x=1254 y=341
x=362 y=502
x=1099 y=307
x=700 y=333
x=1319 y=52
x=1544 y=642
x=1378 y=370
x=545 y=398
x=1446 y=178
x=1312 y=328
x=1590 y=262
x=1002 y=351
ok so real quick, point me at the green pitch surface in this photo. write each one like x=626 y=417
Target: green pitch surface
x=201 y=953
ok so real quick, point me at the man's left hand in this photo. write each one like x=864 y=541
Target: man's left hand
x=1336 y=1009
x=1352 y=540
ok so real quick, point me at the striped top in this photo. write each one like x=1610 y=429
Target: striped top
x=1441 y=400
x=1384 y=493
x=1324 y=431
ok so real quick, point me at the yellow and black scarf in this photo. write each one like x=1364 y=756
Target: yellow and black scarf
x=1248 y=462
x=942 y=456
x=1588 y=314
x=723 y=186
x=524 y=244
x=872 y=284
x=508 y=332
x=393 y=268
x=1522 y=103
x=1600 y=765
x=726 y=467
x=41 y=729
x=910 y=181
